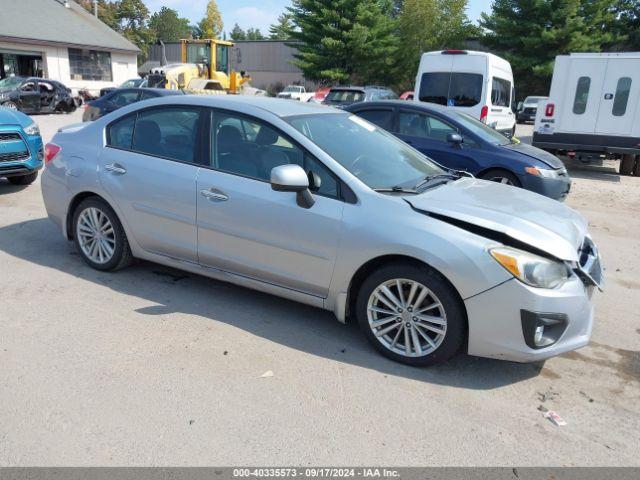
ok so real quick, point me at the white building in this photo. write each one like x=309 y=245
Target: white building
x=60 y=40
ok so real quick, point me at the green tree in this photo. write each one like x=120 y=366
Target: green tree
x=531 y=33
x=281 y=30
x=344 y=40
x=166 y=25
x=238 y=33
x=254 y=34
x=211 y=25
x=627 y=25
x=107 y=12
x=426 y=25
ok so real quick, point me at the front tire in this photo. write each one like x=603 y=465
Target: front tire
x=501 y=176
x=99 y=236
x=23 y=179
x=411 y=314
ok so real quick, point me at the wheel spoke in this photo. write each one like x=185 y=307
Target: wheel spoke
x=421 y=296
x=412 y=293
x=385 y=330
x=395 y=339
x=430 y=319
x=400 y=294
x=416 y=342
x=431 y=328
x=407 y=346
x=426 y=337
x=428 y=307
x=382 y=310
x=389 y=294
x=384 y=321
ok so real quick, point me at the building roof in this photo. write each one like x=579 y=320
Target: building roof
x=50 y=22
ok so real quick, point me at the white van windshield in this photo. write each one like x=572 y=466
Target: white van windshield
x=453 y=89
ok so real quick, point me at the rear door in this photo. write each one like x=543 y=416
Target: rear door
x=582 y=95
x=150 y=166
x=619 y=97
x=500 y=114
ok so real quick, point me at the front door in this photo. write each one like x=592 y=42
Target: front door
x=246 y=228
x=29 y=97
x=582 y=99
x=619 y=100
x=150 y=168
x=428 y=134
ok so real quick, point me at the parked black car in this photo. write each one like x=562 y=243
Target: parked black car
x=131 y=83
x=526 y=111
x=343 y=96
x=122 y=97
x=460 y=142
x=35 y=95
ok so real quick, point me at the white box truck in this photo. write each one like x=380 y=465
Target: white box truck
x=593 y=110
x=477 y=83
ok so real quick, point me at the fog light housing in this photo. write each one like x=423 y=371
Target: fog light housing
x=542 y=330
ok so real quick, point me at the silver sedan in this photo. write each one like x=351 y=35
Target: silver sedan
x=319 y=206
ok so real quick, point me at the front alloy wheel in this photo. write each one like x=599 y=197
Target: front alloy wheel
x=411 y=314
x=406 y=317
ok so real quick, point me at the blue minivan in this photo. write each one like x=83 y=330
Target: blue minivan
x=21 y=152
x=460 y=142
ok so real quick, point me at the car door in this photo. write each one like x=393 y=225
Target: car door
x=149 y=167
x=29 y=97
x=246 y=228
x=619 y=100
x=428 y=134
x=582 y=99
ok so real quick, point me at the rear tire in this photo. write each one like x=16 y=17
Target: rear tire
x=444 y=323
x=501 y=176
x=627 y=163
x=99 y=236
x=23 y=179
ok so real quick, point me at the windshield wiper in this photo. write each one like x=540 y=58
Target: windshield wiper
x=395 y=189
x=430 y=178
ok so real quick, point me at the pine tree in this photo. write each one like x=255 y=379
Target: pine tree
x=531 y=34
x=166 y=25
x=344 y=40
x=254 y=34
x=238 y=33
x=281 y=30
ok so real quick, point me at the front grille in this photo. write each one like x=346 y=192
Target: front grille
x=13 y=157
x=589 y=266
x=530 y=110
x=8 y=137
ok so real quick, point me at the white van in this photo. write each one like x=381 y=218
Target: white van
x=593 y=110
x=477 y=83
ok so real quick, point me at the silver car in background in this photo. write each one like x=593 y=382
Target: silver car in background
x=319 y=206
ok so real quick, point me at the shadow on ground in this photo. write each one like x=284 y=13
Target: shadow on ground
x=603 y=173
x=291 y=324
x=7 y=188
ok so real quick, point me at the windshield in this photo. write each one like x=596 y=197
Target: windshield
x=10 y=83
x=345 y=96
x=134 y=82
x=291 y=89
x=487 y=134
x=533 y=100
x=376 y=157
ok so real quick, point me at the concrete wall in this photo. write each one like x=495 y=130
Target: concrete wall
x=56 y=66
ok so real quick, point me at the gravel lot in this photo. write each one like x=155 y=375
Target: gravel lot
x=150 y=366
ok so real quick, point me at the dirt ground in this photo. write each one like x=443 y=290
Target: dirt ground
x=150 y=366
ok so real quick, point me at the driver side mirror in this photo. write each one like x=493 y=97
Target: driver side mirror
x=455 y=139
x=292 y=178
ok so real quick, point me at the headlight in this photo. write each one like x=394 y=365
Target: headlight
x=32 y=129
x=2 y=96
x=545 y=172
x=531 y=269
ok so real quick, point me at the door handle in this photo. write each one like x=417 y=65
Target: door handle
x=214 y=195
x=115 y=169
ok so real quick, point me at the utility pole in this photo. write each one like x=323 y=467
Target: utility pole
x=95 y=8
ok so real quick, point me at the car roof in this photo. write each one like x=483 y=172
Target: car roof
x=355 y=87
x=277 y=106
x=422 y=106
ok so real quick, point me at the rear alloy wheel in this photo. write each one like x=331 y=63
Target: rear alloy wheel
x=410 y=314
x=501 y=176
x=23 y=179
x=99 y=236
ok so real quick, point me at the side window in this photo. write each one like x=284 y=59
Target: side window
x=147 y=96
x=29 y=87
x=500 y=92
x=425 y=126
x=381 y=118
x=582 y=95
x=168 y=132
x=123 y=99
x=250 y=148
x=120 y=133
x=622 y=96
x=321 y=180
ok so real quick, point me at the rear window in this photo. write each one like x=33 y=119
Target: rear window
x=345 y=96
x=582 y=95
x=500 y=92
x=453 y=89
x=622 y=96
x=381 y=118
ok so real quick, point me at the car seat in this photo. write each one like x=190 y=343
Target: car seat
x=232 y=154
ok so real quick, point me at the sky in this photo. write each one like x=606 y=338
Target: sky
x=257 y=13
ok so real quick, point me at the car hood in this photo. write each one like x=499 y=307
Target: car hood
x=13 y=117
x=538 y=154
x=521 y=215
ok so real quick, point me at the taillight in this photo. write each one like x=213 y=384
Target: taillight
x=50 y=152
x=483 y=114
x=548 y=112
